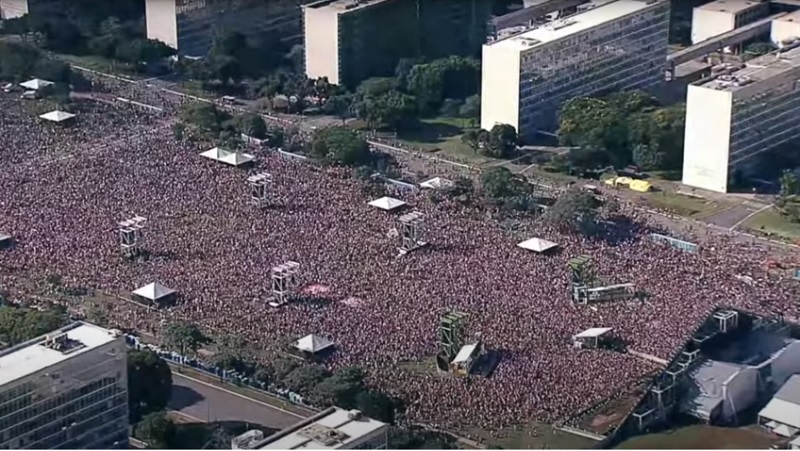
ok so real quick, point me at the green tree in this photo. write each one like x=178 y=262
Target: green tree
x=502 y=141
x=149 y=383
x=341 y=145
x=341 y=389
x=789 y=185
x=575 y=210
x=597 y=125
x=475 y=139
x=339 y=106
x=500 y=183
x=184 y=337
x=451 y=107
x=646 y=157
x=282 y=367
x=203 y=118
x=156 y=430
x=18 y=324
x=304 y=379
x=376 y=405
x=471 y=109
x=376 y=87
x=252 y=125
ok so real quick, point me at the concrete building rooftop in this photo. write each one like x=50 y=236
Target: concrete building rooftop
x=793 y=16
x=729 y=6
x=762 y=72
x=603 y=11
x=48 y=350
x=344 y=6
x=332 y=428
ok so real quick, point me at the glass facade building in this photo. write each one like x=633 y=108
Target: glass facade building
x=190 y=25
x=615 y=46
x=67 y=390
x=348 y=41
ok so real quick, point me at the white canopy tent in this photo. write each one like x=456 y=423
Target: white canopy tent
x=537 y=245
x=387 y=203
x=57 y=116
x=465 y=353
x=36 y=84
x=590 y=337
x=154 y=292
x=313 y=343
x=436 y=183
x=5 y=240
x=228 y=157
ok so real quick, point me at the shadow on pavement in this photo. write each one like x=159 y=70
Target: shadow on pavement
x=183 y=397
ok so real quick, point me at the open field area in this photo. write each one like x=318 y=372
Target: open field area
x=702 y=437
x=771 y=222
x=442 y=135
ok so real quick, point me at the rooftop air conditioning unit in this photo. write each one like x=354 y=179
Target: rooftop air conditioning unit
x=354 y=415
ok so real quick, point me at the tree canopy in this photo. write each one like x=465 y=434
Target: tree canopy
x=149 y=383
x=156 y=430
x=576 y=210
x=623 y=128
x=341 y=145
x=184 y=337
x=18 y=324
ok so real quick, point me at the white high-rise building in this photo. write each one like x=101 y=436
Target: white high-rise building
x=607 y=46
x=739 y=115
x=12 y=9
x=68 y=389
x=722 y=16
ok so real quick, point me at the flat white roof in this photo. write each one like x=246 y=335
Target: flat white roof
x=30 y=357
x=594 y=332
x=759 y=73
x=603 y=13
x=334 y=418
x=465 y=352
x=537 y=245
x=729 y=6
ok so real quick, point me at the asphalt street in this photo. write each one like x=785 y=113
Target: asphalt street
x=204 y=402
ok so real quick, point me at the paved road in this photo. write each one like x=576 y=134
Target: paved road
x=205 y=402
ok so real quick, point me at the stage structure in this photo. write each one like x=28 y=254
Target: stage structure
x=258 y=189
x=452 y=329
x=131 y=237
x=582 y=271
x=463 y=362
x=411 y=232
x=587 y=287
x=283 y=282
x=586 y=295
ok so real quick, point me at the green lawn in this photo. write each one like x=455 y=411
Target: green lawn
x=99 y=64
x=678 y=204
x=701 y=437
x=773 y=223
x=443 y=135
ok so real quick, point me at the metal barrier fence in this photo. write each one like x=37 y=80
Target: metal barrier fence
x=674 y=242
x=229 y=376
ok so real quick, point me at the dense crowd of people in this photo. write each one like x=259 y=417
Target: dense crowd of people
x=64 y=189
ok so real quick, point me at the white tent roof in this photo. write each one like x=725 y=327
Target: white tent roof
x=464 y=353
x=436 y=183
x=154 y=291
x=57 y=116
x=537 y=245
x=228 y=157
x=4 y=237
x=795 y=442
x=387 y=203
x=594 y=332
x=313 y=343
x=36 y=84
